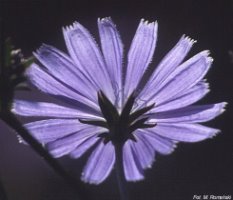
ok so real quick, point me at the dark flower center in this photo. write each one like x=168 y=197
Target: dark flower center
x=120 y=125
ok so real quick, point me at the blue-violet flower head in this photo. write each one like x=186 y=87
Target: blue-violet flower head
x=107 y=105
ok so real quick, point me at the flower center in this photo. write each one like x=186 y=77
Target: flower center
x=120 y=125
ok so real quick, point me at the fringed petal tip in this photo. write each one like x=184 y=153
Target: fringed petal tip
x=13 y=108
x=221 y=108
x=70 y=27
x=153 y=24
x=20 y=139
x=42 y=49
x=205 y=54
x=85 y=180
x=90 y=181
x=106 y=20
x=206 y=84
x=214 y=133
x=173 y=148
x=188 y=39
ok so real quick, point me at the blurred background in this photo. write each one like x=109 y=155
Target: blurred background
x=203 y=168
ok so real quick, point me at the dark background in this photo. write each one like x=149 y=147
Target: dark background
x=203 y=168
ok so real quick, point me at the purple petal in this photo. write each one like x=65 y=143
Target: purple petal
x=99 y=164
x=52 y=129
x=169 y=63
x=180 y=81
x=48 y=84
x=83 y=147
x=184 y=132
x=131 y=164
x=44 y=109
x=184 y=98
x=186 y=76
x=61 y=67
x=70 y=142
x=140 y=54
x=191 y=114
x=160 y=144
x=86 y=55
x=143 y=150
x=112 y=49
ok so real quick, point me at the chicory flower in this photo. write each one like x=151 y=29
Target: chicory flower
x=109 y=105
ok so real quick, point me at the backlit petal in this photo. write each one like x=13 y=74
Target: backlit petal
x=168 y=64
x=112 y=49
x=132 y=167
x=48 y=84
x=187 y=75
x=190 y=114
x=184 y=77
x=45 y=109
x=68 y=143
x=87 y=56
x=160 y=144
x=140 y=54
x=62 y=67
x=184 y=132
x=52 y=129
x=143 y=150
x=84 y=146
x=184 y=98
x=99 y=164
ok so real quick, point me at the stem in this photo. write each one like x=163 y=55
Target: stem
x=13 y=122
x=119 y=173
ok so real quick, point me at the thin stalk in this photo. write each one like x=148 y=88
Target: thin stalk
x=120 y=174
x=14 y=123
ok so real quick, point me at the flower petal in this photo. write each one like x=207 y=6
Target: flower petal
x=140 y=54
x=180 y=81
x=99 y=164
x=190 y=114
x=48 y=84
x=168 y=64
x=184 y=132
x=44 y=109
x=87 y=57
x=61 y=67
x=112 y=49
x=68 y=143
x=160 y=144
x=184 y=77
x=184 y=98
x=83 y=147
x=143 y=150
x=52 y=129
x=132 y=167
